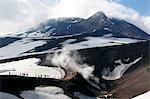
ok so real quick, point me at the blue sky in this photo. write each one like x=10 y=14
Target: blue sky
x=141 y=6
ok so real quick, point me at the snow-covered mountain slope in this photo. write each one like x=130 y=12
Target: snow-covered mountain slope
x=52 y=27
x=27 y=46
x=72 y=34
x=30 y=68
x=98 y=24
x=19 y=47
x=109 y=46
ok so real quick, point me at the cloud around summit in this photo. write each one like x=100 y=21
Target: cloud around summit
x=17 y=15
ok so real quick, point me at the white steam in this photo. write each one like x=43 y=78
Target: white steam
x=72 y=61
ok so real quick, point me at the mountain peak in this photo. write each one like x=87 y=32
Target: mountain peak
x=98 y=20
x=99 y=14
x=98 y=24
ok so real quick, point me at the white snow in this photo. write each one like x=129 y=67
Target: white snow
x=94 y=30
x=75 y=21
x=25 y=33
x=143 y=96
x=29 y=67
x=48 y=92
x=41 y=95
x=108 y=35
x=69 y=26
x=37 y=34
x=106 y=29
x=82 y=96
x=19 y=47
x=67 y=41
x=46 y=27
x=50 y=31
x=99 y=42
x=118 y=71
x=34 y=34
x=4 y=95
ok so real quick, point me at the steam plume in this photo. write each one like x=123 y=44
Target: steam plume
x=71 y=60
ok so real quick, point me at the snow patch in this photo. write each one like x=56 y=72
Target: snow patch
x=106 y=29
x=41 y=95
x=99 y=42
x=82 y=96
x=108 y=35
x=50 y=90
x=4 y=95
x=47 y=92
x=118 y=71
x=75 y=21
x=30 y=68
x=69 y=26
x=143 y=96
x=19 y=47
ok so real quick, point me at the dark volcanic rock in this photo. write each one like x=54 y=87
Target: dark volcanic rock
x=98 y=24
x=16 y=84
x=100 y=57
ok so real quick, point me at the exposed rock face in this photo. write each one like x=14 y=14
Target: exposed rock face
x=98 y=24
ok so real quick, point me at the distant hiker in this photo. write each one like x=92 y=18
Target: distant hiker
x=23 y=74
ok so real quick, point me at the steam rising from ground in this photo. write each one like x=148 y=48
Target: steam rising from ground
x=72 y=61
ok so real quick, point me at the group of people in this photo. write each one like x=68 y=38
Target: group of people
x=38 y=76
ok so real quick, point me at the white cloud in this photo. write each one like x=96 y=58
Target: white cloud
x=19 y=14
x=16 y=15
x=85 y=8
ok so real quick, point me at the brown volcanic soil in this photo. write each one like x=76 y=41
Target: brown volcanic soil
x=132 y=84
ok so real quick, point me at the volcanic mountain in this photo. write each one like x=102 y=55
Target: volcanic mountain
x=98 y=24
x=102 y=46
x=71 y=33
